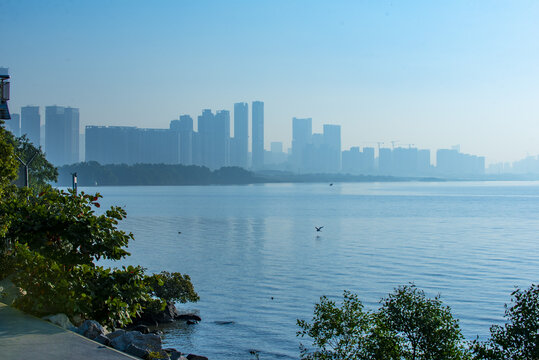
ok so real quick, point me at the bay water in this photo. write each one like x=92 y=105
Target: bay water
x=258 y=263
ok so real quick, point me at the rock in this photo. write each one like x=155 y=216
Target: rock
x=192 y=317
x=77 y=320
x=143 y=329
x=61 y=320
x=91 y=329
x=9 y=291
x=102 y=339
x=121 y=339
x=174 y=354
x=196 y=357
x=136 y=351
x=168 y=314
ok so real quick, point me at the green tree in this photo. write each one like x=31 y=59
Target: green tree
x=64 y=227
x=40 y=171
x=50 y=241
x=8 y=161
x=518 y=339
x=425 y=327
x=346 y=332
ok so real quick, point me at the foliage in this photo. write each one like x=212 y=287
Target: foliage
x=8 y=173
x=64 y=227
x=408 y=325
x=110 y=296
x=346 y=332
x=172 y=287
x=40 y=171
x=57 y=237
x=8 y=161
x=92 y=173
x=425 y=327
x=519 y=338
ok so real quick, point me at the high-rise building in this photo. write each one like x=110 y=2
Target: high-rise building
x=332 y=148
x=14 y=124
x=221 y=140
x=214 y=138
x=205 y=137
x=31 y=124
x=366 y=165
x=257 y=129
x=301 y=137
x=184 y=127
x=385 y=161
x=130 y=145
x=240 y=143
x=62 y=135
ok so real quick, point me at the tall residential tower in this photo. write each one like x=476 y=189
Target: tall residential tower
x=258 y=134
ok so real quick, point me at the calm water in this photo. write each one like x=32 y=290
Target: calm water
x=243 y=245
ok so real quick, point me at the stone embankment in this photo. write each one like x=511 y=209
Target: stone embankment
x=137 y=340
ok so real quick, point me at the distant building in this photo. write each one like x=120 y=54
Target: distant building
x=62 y=135
x=205 y=144
x=301 y=137
x=131 y=145
x=221 y=156
x=385 y=161
x=450 y=162
x=366 y=165
x=184 y=126
x=257 y=128
x=31 y=124
x=331 y=148
x=351 y=160
x=276 y=156
x=239 y=147
x=14 y=124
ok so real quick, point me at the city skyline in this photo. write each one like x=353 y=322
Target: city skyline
x=436 y=74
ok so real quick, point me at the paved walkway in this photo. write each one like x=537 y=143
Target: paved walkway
x=23 y=336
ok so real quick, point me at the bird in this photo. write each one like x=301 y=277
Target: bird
x=318 y=228
x=331 y=184
x=179 y=232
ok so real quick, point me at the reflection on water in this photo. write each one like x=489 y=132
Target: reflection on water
x=258 y=263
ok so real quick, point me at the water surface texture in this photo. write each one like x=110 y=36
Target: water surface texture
x=258 y=263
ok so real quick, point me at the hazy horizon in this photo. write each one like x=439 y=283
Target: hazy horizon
x=429 y=74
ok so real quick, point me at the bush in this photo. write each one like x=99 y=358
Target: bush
x=408 y=325
x=57 y=237
x=172 y=287
x=346 y=332
x=519 y=338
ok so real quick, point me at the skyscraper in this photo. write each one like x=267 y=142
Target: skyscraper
x=257 y=129
x=14 y=124
x=31 y=124
x=240 y=143
x=62 y=135
x=184 y=127
x=332 y=148
x=221 y=139
x=302 y=130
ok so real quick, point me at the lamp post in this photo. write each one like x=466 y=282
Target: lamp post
x=74 y=176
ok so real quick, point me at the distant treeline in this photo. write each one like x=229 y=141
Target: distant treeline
x=94 y=174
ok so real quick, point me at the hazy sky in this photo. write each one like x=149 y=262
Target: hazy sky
x=429 y=73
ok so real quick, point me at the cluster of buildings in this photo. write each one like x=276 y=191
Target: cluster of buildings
x=59 y=136
x=212 y=145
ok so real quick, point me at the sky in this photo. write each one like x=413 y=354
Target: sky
x=429 y=73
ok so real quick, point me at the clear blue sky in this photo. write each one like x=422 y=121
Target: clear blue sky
x=430 y=73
